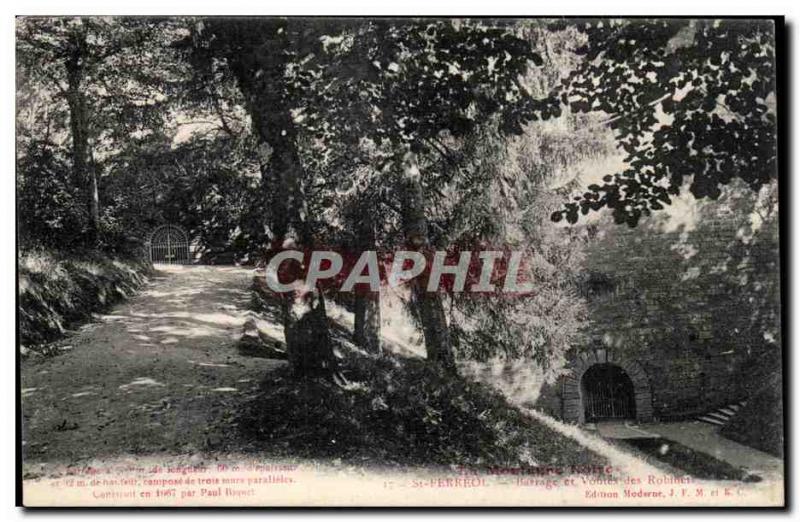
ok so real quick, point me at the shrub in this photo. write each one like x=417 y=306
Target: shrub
x=56 y=293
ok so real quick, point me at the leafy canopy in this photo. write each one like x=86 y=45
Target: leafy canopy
x=687 y=99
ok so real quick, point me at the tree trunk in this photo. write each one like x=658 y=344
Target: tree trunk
x=308 y=341
x=429 y=305
x=84 y=176
x=94 y=201
x=367 y=309
x=434 y=326
x=260 y=74
x=309 y=347
x=367 y=329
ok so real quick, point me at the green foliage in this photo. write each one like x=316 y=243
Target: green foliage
x=128 y=72
x=133 y=86
x=208 y=184
x=89 y=86
x=506 y=200
x=310 y=122
x=687 y=99
x=381 y=88
x=495 y=190
x=405 y=82
x=51 y=210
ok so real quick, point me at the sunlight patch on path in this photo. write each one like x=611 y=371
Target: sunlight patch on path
x=618 y=458
x=138 y=353
x=214 y=365
x=222 y=319
x=140 y=381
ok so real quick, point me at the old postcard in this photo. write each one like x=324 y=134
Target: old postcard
x=399 y=261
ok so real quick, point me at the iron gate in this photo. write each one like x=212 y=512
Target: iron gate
x=608 y=393
x=169 y=244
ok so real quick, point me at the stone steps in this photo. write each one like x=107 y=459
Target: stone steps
x=721 y=416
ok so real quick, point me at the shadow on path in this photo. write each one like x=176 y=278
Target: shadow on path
x=159 y=374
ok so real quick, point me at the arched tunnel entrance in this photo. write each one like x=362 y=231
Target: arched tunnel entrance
x=603 y=385
x=608 y=393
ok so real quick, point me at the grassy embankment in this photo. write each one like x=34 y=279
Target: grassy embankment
x=397 y=410
x=57 y=293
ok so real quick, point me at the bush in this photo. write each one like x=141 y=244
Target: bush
x=56 y=293
x=52 y=210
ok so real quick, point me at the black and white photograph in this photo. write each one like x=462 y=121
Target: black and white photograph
x=400 y=261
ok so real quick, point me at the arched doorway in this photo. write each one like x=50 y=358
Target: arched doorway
x=608 y=393
x=169 y=244
x=573 y=408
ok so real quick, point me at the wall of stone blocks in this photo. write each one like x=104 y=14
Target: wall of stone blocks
x=690 y=306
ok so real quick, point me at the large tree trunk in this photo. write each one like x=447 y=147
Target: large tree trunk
x=309 y=347
x=429 y=305
x=308 y=342
x=84 y=176
x=260 y=70
x=367 y=310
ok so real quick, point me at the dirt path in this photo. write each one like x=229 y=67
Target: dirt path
x=158 y=375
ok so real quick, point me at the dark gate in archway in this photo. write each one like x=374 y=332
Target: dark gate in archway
x=169 y=244
x=607 y=393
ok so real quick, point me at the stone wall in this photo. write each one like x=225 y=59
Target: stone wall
x=693 y=307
